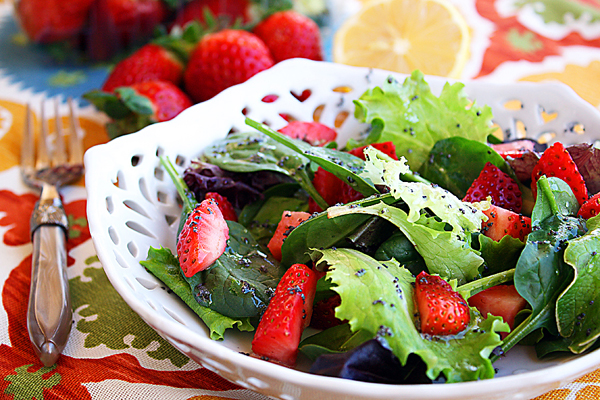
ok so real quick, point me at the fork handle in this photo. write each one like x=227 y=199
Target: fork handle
x=49 y=313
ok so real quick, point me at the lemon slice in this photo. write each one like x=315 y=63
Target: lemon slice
x=403 y=35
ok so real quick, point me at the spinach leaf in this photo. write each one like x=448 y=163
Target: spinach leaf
x=261 y=217
x=500 y=255
x=320 y=231
x=337 y=339
x=541 y=273
x=454 y=163
x=554 y=197
x=241 y=281
x=164 y=265
x=344 y=165
x=445 y=253
x=577 y=308
x=251 y=152
x=400 y=248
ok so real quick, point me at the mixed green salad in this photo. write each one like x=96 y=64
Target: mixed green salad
x=407 y=218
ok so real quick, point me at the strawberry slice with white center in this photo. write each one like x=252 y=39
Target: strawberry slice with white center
x=203 y=238
x=288 y=314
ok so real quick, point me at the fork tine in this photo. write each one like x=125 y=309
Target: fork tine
x=28 y=145
x=75 y=140
x=59 y=156
x=42 y=160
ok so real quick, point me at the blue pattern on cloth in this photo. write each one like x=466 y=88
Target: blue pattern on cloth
x=31 y=66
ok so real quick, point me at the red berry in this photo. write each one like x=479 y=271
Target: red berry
x=442 y=310
x=151 y=62
x=224 y=204
x=289 y=34
x=168 y=100
x=388 y=148
x=287 y=315
x=557 y=162
x=492 y=182
x=314 y=133
x=323 y=316
x=195 y=10
x=502 y=301
x=502 y=222
x=289 y=220
x=224 y=59
x=591 y=207
x=47 y=21
x=202 y=239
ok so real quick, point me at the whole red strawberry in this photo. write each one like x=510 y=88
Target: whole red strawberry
x=131 y=108
x=151 y=62
x=202 y=239
x=287 y=315
x=115 y=25
x=442 y=310
x=47 y=21
x=492 y=182
x=289 y=34
x=231 y=10
x=557 y=162
x=224 y=59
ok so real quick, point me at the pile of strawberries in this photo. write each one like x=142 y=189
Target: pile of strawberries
x=163 y=78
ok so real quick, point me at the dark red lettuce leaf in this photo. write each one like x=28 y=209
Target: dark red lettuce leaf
x=371 y=362
x=239 y=188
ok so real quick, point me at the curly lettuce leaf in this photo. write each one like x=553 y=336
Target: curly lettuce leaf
x=445 y=253
x=415 y=119
x=419 y=196
x=377 y=297
x=164 y=265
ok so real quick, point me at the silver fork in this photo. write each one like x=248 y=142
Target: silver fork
x=47 y=167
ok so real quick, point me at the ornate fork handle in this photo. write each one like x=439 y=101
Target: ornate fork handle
x=49 y=314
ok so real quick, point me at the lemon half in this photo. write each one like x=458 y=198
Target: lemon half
x=403 y=35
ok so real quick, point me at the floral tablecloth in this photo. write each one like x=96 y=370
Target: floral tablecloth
x=112 y=353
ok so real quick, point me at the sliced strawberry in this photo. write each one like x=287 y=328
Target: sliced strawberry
x=329 y=187
x=388 y=148
x=502 y=301
x=492 y=182
x=557 y=162
x=202 y=239
x=287 y=315
x=289 y=220
x=442 y=310
x=313 y=133
x=224 y=205
x=502 y=222
x=515 y=148
x=590 y=208
x=323 y=315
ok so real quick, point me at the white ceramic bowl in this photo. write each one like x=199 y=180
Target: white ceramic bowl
x=132 y=205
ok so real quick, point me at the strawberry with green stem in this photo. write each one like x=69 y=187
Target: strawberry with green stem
x=134 y=107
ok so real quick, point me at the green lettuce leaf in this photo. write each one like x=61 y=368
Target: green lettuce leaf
x=377 y=297
x=445 y=253
x=415 y=119
x=164 y=265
